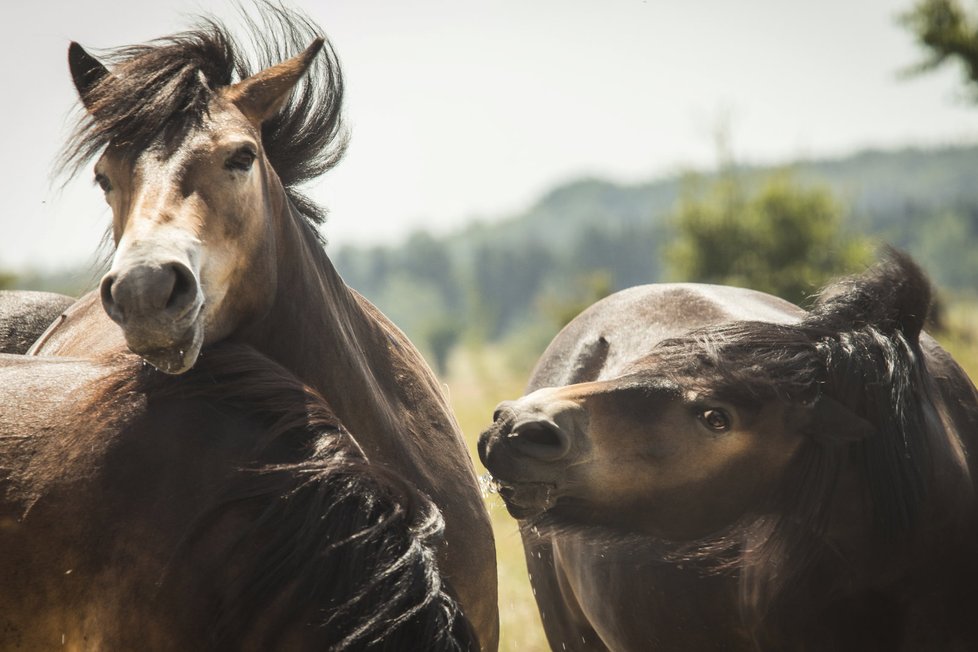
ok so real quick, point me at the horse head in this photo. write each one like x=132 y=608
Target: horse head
x=704 y=429
x=193 y=196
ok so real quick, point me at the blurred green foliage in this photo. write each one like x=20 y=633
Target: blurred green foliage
x=784 y=238
x=784 y=230
x=947 y=33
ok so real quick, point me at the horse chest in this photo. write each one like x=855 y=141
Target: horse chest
x=636 y=603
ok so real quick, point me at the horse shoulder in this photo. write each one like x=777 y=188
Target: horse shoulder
x=429 y=450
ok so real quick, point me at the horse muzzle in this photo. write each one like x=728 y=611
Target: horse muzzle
x=159 y=306
x=528 y=448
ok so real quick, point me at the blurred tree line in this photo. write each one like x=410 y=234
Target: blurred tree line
x=782 y=230
x=784 y=239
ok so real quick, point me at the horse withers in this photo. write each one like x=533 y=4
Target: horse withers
x=227 y=509
x=702 y=468
x=200 y=154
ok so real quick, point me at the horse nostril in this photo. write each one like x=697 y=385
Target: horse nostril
x=108 y=300
x=183 y=291
x=540 y=439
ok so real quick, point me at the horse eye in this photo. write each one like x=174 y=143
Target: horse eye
x=103 y=182
x=241 y=160
x=715 y=419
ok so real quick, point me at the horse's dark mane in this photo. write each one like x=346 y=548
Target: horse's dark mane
x=160 y=90
x=345 y=545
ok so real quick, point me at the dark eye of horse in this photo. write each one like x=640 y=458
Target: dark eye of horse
x=716 y=419
x=241 y=160
x=103 y=182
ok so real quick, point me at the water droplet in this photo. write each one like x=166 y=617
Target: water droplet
x=487 y=484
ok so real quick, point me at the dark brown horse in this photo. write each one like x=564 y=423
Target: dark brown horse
x=227 y=509
x=709 y=468
x=199 y=158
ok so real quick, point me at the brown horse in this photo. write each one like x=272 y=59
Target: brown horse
x=199 y=160
x=226 y=509
x=25 y=315
x=708 y=468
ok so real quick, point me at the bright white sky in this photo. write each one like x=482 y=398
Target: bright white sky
x=463 y=109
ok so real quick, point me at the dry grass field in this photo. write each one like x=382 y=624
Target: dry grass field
x=478 y=379
x=960 y=336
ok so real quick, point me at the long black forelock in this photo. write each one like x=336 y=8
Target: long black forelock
x=745 y=362
x=159 y=91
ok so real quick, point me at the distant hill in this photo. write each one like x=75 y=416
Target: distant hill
x=880 y=187
x=499 y=275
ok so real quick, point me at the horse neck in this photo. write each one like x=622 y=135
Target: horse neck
x=332 y=339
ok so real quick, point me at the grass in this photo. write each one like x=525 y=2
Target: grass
x=479 y=378
x=960 y=334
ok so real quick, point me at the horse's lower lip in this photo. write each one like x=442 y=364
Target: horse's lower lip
x=176 y=358
x=524 y=500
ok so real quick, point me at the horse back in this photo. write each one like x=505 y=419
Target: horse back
x=614 y=332
x=24 y=315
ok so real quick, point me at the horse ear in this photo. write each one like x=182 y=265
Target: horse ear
x=86 y=71
x=263 y=94
x=831 y=421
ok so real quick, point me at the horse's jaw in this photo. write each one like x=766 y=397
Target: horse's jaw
x=528 y=499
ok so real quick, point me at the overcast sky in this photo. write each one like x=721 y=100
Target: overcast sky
x=464 y=109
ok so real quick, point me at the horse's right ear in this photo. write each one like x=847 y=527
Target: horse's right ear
x=261 y=96
x=86 y=71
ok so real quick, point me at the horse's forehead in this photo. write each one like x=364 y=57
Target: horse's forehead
x=642 y=384
x=222 y=124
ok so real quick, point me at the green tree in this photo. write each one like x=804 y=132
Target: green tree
x=784 y=238
x=440 y=335
x=580 y=293
x=948 y=33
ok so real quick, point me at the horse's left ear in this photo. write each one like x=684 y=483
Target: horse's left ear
x=830 y=421
x=86 y=71
x=263 y=94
